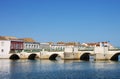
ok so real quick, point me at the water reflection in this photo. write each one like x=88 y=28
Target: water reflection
x=63 y=69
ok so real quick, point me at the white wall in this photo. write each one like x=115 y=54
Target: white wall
x=4 y=47
x=102 y=50
x=75 y=49
x=31 y=46
x=68 y=49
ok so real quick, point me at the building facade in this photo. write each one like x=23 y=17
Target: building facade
x=31 y=46
x=16 y=46
x=57 y=47
x=10 y=46
x=4 y=47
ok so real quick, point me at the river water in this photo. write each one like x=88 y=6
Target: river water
x=63 y=69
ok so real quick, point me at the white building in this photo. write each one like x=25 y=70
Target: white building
x=57 y=47
x=44 y=45
x=4 y=48
x=31 y=46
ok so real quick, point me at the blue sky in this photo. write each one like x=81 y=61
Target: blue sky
x=61 y=20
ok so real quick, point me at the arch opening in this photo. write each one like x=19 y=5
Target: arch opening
x=85 y=56
x=32 y=56
x=14 y=57
x=54 y=57
x=115 y=57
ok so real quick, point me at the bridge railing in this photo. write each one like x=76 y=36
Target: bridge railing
x=54 y=50
x=32 y=51
x=51 y=50
x=85 y=48
x=114 y=49
x=15 y=51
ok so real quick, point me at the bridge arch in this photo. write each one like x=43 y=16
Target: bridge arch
x=115 y=57
x=32 y=56
x=85 y=56
x=54 y=57
x=14 y=57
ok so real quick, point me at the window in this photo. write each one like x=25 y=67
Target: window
x=17 y=46
x=34 y=46
x=29 y=46
x=2 y=50
x=26 y=46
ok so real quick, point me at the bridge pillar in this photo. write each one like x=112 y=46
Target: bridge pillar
x=101 y=53
x=71 y=53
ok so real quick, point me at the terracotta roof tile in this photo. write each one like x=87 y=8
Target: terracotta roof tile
x=28 y=40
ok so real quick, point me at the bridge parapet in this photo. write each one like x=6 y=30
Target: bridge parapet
x=86 y=49
x=68 y=53
x=114 y=49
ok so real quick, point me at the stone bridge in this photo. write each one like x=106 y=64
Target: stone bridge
x=38 y=55
x=112 y=55
x=98 y=53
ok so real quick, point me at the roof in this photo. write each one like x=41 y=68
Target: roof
x=28 y=40
x=7 y=38
x=2 y=38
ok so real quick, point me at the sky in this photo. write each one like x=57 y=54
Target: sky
x=61 y=20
